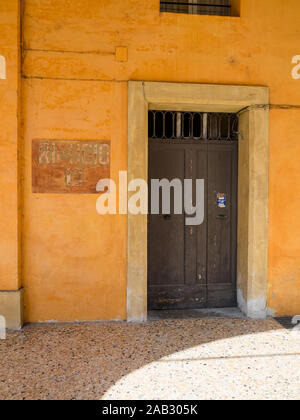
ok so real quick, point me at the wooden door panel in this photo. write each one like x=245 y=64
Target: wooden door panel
x=194 y=266
x=166 y=252
x=221 y=231
x=166 y=258
x=222 y=298
x=219 y=223
x=190 y=231
x=176 y=297
x=201 y=173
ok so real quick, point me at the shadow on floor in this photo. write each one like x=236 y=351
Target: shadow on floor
x=88 y=361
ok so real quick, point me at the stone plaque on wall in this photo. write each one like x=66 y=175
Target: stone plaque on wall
x=69 y=166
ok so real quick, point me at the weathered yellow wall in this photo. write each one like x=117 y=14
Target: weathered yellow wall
x=74 y=261
x=284 y=237
x=9 y=201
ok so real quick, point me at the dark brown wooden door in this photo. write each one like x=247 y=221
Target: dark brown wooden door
x=192 y=267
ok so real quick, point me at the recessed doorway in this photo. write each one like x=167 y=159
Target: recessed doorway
x=252 y=105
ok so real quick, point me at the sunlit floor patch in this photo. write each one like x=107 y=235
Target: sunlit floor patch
x=175 y=359
x=264 y=366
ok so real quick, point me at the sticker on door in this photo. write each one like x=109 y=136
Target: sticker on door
x=221 y=200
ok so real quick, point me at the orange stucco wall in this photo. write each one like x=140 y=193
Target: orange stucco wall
x=9 y=177
x=74 y=261
x=284 y=236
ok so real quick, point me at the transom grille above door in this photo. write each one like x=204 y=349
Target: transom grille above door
x=193 y=125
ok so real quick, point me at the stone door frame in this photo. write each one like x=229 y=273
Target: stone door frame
x=253 y=194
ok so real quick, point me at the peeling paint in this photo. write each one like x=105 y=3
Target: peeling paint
x=2 y=67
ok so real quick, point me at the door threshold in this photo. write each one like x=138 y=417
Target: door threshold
x=229 y=313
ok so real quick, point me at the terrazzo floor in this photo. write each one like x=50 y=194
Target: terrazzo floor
x=168 y=359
